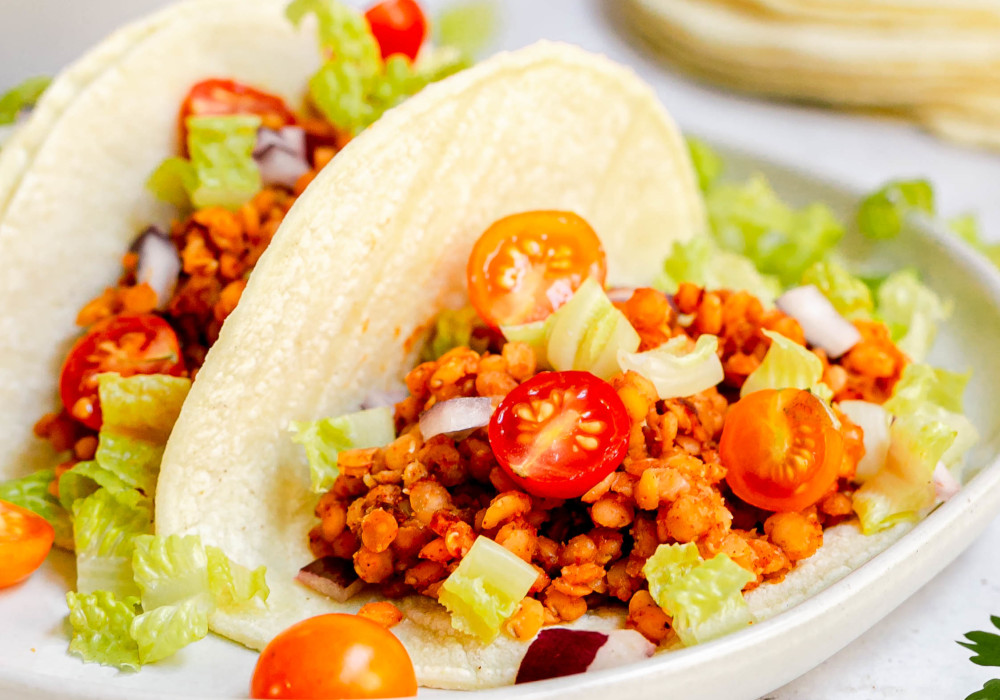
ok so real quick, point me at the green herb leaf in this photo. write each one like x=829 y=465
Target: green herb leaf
x=990 y=691
x=986 y=645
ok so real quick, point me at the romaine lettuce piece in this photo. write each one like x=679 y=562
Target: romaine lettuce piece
x=849 y=295
x=911 y=311
x=787 y=365
x=173 y=181
x=164 y=631
x=105 y=531
x=85 y=478
x=704 y=598
x=468 y=27
x=101 y=625
x=708 y=166
x=144 y=406
x=233 y=586
x=221 y=151
x=700 y=261
x=326 y=438
x=966 y=227
x=535 y=335
x=882 y=213
x=486 y=588
x=20 y=97
x=674 y=369
x=32 y=492
x=452 y=329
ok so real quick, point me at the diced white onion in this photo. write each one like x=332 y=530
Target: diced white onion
x=456 y=416
x=159 y=264
x=620 y=294
x=945 y=483
x=823 y=327
x=875 y=421
x=281 y=155
x=623 y=647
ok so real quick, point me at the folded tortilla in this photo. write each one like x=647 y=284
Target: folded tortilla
x=72 y=180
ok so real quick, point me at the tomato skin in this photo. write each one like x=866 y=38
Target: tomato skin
x=780 y=449
x=318 y=658
x=399 y=26
x=218 y=97
x=25 y=541
x=128 y=344
x=577 y=443
x=527 y=265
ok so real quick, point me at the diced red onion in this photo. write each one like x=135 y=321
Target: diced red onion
x=456 y=416
x=945 y=483
x=560 y=651
x=333 y=577
x=159 y=264
x=823 y=327
x=875 y=421
x=388 y=397
x=620 y=294
x=281 y=155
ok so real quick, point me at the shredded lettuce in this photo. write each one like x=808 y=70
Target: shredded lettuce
x=700 y=261
x=21 y=97
x=787 y=365
x=966 y=227
x=468 y=27
x=704 y=598
x=234 y=586
x=535 y=335
x=882 y=213
x=144 y=406
x=486 y=588
x=105 y=530
x=453 y=328
x=708 y=166
x=675 y=369
x=32 y=492
x=911 y=311
x=850 y=296
x=749 y=219
x=326 y=438
x=101 y=625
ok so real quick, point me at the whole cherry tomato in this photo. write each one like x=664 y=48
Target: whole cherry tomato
x=558 y=434
x=25 y=541
x=399 y=26
x=215 y=98
x=334 y=657
x=780 y=449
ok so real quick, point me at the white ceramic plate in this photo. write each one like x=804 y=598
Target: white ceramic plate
x=34 y=662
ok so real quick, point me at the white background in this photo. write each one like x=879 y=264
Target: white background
x=912 y=653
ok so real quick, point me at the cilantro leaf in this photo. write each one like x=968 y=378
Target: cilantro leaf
x=986 y=646
x=990 y=691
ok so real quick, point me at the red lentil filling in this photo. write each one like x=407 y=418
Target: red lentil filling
x=407 y=513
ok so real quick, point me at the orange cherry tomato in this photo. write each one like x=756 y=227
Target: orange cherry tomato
x=128 y=344
x=399 y=26
x=25 y=541
x=780 y=449
x=334 y=657
x=215 y=98
x=558 y=434
x=527 y=265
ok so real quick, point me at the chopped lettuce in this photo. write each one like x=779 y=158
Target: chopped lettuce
x=452 y=328
x=588 y=332
x=882 y=213
x=704 y=598
x=164 y=631
x=700 y=261
x=143 y=406
x=966 y=227
x=101 y=625
x=326 y=438
x=85 y=478
x=849 y=295
x=234 y=586
x=535 y=335
x=708 y=165
x=21 y=97
x=468 y=27
x=675 y=369
x=749 y=219
x=486 y=588
x=787 y=365
x=32 y=492
x=105 y=529
x=911 y=311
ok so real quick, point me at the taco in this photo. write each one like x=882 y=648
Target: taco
x=368 y=264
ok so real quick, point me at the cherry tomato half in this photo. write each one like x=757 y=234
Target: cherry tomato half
x=780 y=449
x=334 y=657
x=527 y=265
x=399 y=26
x=128 y=344
x=215 y=97
x=558 y=434
x=25 y=541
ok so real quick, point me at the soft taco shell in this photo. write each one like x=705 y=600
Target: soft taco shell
x=72 y=180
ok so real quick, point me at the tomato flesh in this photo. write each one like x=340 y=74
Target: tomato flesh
x=128 y=344
x=781 y=449
x=333 y=657
x=529 y=264
x=399 y=26
x=25 y=541
x=560 y=433
x=216 y=98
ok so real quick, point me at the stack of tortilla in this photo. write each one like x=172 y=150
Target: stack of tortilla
x=936 y=62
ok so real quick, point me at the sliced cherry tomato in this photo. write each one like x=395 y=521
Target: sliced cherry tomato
x=780 y=449
x=215 y=97
x=527 y=265
x=127 y=344
x=399 y=26
x=558 y=434
x=25 y=541
x=334 y=657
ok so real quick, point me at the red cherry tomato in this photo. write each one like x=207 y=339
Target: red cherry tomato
x=213 y=98
x=527 y=265
x=399 y=26
x=127 y=344
x=780 y=449
x=25 y=541
x=558 y=434
x=334 y=657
